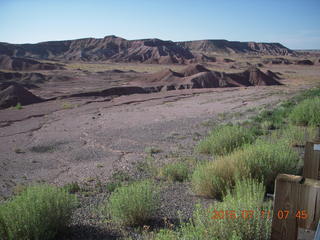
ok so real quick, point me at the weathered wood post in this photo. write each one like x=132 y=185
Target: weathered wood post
x=311 y=168
x=296 y=204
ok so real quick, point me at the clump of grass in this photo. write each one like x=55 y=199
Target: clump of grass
x=248 y=194
x=177 y=171
x=72 y=187
x=273 y=119
x=19 y=188
x=18 y=106
x=226 y=139
x=266 y=126
x=166 y=234
x=213 y=178
x=134 y=204
x=117 y=179
x=295 y=136
x=264 y=160
x=307 y=112
x=39 y=212
x=147 y=166
x=67 y=105
x=152 y=150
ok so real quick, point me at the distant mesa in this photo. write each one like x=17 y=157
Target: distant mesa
x=230 y=47
x=24 y=64
x=109 y=48
x=13 y=94
x=112 y=48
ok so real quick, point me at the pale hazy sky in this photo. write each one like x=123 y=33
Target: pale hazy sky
x=294 y=23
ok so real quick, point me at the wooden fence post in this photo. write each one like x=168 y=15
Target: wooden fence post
x=311 y=168
x=296 y=204
x=286 y=193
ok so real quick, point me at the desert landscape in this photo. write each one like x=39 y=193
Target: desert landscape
x=159 y=120
x=89 y=113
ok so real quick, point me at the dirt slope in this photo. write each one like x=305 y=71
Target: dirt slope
x=14 y=94
x=197 y=76
x=24 y=64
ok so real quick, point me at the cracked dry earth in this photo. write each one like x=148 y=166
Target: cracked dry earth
x=89 y=138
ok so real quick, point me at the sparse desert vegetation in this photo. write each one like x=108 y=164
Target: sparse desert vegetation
x=150 y=146
x=306 y=112
x=134 y=204
x=225 y=139
x=38 y=212
x=233 y=168
x=177 y=171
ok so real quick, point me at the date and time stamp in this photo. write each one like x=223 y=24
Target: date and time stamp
x=250 y=214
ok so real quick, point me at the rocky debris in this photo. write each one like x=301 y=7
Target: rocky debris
x=24 y=64
x=14 y=94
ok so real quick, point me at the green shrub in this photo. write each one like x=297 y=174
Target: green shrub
x=273 y=119
x=212 y=179
x=152 y=150
x=72 y=187
x=248 y=194
x=307 y=112
x=39 y=212
x=264 y=160
x=111 y=186
x=134 y=204
x=295 y=135
x=165 y=234
x=225 y=139
x=117 y=179
x=175 y=171
x=18 y=106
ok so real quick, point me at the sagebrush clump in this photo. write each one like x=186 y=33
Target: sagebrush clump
x=306 y=113
x=226 y=139
x=134 y=204
x=39 y=212
x=248 y=194
x=213 y=178
x=177 y=171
